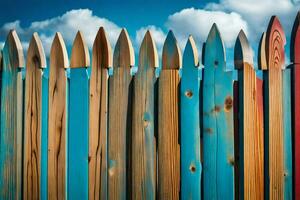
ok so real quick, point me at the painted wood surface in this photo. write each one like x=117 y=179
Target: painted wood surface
x=101 y=61
x=44 y=134
x=143 y=140
x=295 y=61
x=78 y=140
x=250 y=133
x=11 y=136
x=118 y=117
x=273 y=91
x=191 y=167
x=168 y=124
x=35 y=64
x=57 y=119
x=218 y=127
x=287 y=134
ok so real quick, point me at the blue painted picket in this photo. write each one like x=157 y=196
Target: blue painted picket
x=44 y=136
x=191 y=167
x=11 y=119
x=77 y=165
x=218 y=138
x=287 y=133
x=78 y=140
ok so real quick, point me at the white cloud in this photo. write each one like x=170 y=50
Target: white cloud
x=68 y=24
x=257 y=13
x=198 y=22
x=157 y=33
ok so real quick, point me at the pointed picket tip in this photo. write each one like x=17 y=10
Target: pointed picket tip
x=295 y=41
x=171 y=55
x=242 y=51
x=148 y=53
x=15 y=48
x=102 y=46
x=262 y=59
x=123 y=53
x=58 y=53
x=275 y=35
x=214 y=47
x=190 y=54
x=80 y=54
x=36 y=51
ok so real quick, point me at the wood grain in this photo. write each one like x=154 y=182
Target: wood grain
x=262 y=59
x=168 y=124
x=275 y=41
x=57 y=119
x=80 y=51
x=33 y=100
x=143 y=140
x=251 y=132
x=218 y=125
x=191 y=168
x=118 y=119
x=101 y=61
x=11 y=136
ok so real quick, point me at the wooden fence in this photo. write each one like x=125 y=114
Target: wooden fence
x=178 y=131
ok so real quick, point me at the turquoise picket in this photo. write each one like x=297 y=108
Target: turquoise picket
x=77 y=165
x=218 y=131
x=44 y=136
x=78 y=124
x=11 y=119
x=287 y=133
x=190 y=124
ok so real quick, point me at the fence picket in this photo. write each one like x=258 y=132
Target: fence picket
x=287 y=133
x=250 y=134
x=57 y=119
x=118 y=117
x=11 y=136
x=191 y=168
x=35 y=64
x=273 y=92
x=168 y=116
x=143 y=140
x=101 y=61
x=218 y=127
x=77 y=161
x=295 y=61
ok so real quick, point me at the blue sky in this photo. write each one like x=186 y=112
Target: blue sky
x=184 y=17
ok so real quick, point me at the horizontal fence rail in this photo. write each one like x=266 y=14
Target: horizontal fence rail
x=175 y=130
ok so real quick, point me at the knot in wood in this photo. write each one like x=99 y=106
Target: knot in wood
x=228 y=103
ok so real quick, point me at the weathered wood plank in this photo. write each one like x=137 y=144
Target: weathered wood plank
x=101 y=61
x=287 y=134
x=295 y=61
x=191 y=167
x=57 y=119
x=78 y=126
x=168 y=124
x=250 y=134
x=143 y=140
x=218 y=127
x=33 y=121
x=118 y=119
x=11 y=136
x=273 y=91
